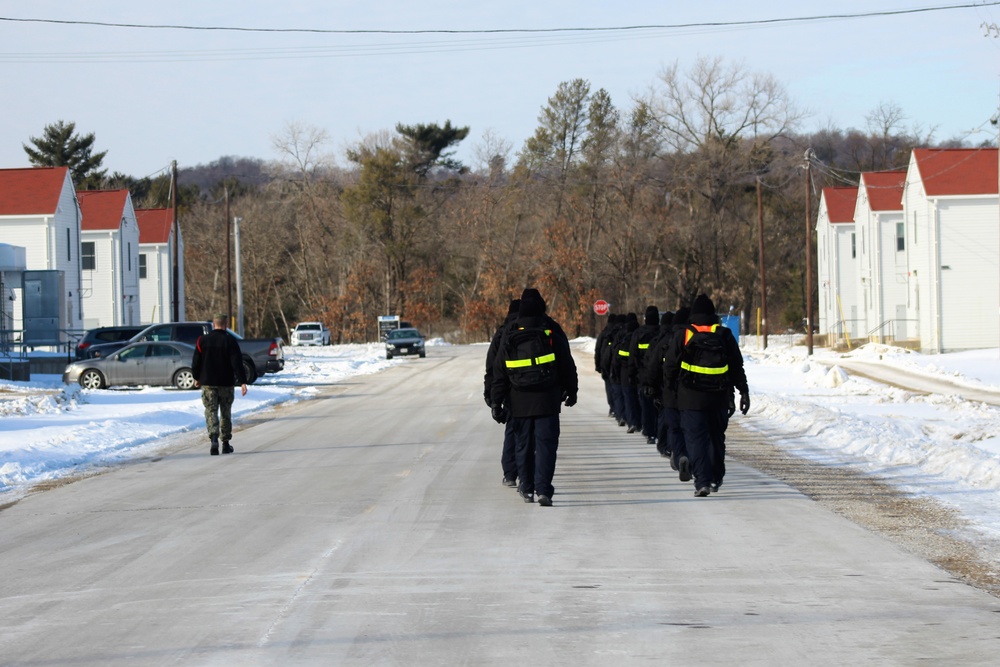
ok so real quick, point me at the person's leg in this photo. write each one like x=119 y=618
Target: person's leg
x=675 y=437
x=663 y=435
x=210 y=399
x=525 y=455
x=698 y=441
x=226 y=396
x=508 y=459
x=649 y=414
x=631 y=408
x=546 y=444
x=718 y=420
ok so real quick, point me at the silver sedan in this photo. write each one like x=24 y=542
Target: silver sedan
x=153 y=363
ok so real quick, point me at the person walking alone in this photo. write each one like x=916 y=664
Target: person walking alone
x=217 y=367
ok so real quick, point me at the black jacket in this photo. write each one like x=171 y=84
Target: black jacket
x=691 y=399
x=543 y=401
x=491 y=355
x=217 y=360
x=645 y=335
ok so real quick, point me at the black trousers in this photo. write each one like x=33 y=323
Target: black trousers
x=705 y=439
x=674 y=433
x=536 y=441
x=508 y=459
x=649 y=415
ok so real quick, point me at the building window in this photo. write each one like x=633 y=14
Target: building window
x=69 y=245
x=900 y=234
x=88 y=256
x=130 y=256
x=854 y=245
x=142 y=265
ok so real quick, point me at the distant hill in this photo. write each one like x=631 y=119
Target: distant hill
x=248 y=172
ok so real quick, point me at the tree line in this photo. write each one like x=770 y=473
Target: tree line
x=652 y=202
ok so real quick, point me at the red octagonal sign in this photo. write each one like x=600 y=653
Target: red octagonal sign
x=601 y=307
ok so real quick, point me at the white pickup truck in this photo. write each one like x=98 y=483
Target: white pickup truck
x=310 y=333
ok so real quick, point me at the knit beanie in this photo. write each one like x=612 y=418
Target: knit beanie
x=702 y=306
x=652 y=317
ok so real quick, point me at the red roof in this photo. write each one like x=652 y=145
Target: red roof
x=885 y=189
x=32 y=191
x=102 y=209
x=957 y=171
x=155 y=224
x=840 y=203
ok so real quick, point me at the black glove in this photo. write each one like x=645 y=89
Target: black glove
x=648 y=391
x=731 y=408
x=500 y=413
x=744 y=402
x=658 y=404
x=569 y=400
x=489 y=403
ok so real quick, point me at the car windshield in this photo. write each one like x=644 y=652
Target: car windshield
x=309 y=327
x=403 y=333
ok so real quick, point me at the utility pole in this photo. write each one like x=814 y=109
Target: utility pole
x=177 y=243
x=809 y=305
x=239 y=276
x=229 y=270
x=763 y=283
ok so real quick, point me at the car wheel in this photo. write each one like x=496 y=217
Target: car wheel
x=92 y=379
x=184 y=379
x=388 y=356
x=249 y=370
x=422 y=354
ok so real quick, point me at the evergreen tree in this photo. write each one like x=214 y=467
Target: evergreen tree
x=60 y=146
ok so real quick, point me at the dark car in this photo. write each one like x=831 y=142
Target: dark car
x=102 y=335
x=401 y=342
x=156 y=364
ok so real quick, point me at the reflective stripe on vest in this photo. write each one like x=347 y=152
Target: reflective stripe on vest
x=643 y=346
x=622 y=353
x=537 y=361
x=704 y=370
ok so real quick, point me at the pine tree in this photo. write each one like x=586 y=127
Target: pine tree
x=60 y=146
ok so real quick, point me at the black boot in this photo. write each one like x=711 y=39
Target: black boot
x=227 y=448
x=214 y=451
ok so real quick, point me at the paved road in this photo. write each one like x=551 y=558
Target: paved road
x=369 y=527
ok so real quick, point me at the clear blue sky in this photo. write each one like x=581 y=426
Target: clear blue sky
x=152 y=96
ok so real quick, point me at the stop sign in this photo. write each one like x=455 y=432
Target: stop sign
x=601 y=307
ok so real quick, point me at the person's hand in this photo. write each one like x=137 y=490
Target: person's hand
x=489 y=403
x=657 y=403
x=731 y=408
x=500 y=413
x=744 y=402
x=648 y=391
x=243 y=389
x=569 y=400
x=197 y=385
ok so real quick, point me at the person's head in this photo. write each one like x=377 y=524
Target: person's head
x=534 y=295
x=702 y=305
x=531 y=305
x=666 y=319
x=652 y=316
x=514 y=307
x=682 y=316
x=220 y=321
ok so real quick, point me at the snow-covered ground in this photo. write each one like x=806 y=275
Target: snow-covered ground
x=937 y=445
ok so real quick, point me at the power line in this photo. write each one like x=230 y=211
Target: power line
x=441 y=31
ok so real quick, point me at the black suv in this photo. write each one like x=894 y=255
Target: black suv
x=102 y=335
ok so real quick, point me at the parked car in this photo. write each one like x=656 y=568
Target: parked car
x=157 y=364
x=260 y=355
x=102 y=335
x=310 y=333
x=401 y=342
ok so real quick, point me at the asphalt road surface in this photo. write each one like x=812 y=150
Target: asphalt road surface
x=369 y=527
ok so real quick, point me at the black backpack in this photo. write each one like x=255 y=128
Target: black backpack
x=704 y=362
x=528 y=357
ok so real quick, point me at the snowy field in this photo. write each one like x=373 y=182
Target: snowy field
x=936 y=445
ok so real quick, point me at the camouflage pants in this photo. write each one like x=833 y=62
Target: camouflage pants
x=218 y=402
